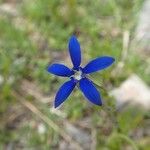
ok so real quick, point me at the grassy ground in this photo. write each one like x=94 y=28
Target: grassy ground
x=36 y=35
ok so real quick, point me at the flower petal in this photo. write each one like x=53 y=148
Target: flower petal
x=75 y=52
x=97 y=64
x=90 y=92
x=64 y=91
x=60 y=70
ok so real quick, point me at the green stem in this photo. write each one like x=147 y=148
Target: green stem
x=127 y=139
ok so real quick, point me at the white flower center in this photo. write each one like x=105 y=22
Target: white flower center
x=78 y=75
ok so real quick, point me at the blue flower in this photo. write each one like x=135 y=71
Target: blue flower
x=79 y=75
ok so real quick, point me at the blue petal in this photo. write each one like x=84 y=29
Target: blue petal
x=97 y=64
x=75 y=52
x=90 y=92
x=60 y=70
x=64 y=91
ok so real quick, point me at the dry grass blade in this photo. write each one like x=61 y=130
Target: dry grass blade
x=124 y=54
x=33 y=90
x=47 y=120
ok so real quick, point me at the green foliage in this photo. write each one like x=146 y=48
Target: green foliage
x=132 y=116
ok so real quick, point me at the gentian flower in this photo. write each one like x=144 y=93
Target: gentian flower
x=78 y=76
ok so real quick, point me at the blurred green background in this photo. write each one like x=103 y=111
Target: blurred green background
x=35 y=33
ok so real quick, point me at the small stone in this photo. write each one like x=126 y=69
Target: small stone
x=41 y=128
x=133 y=91
x=79 y=135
